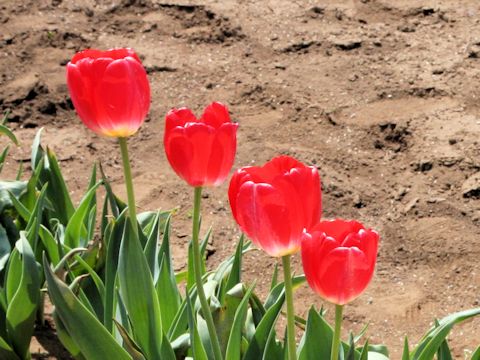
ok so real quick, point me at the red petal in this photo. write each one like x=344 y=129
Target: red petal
x=123 y=97
x=216 y=114
x=224 y=147
x=80 y=93
x=264 y=217
x=113 y=54
x=338 y=229
x=179 y=153
x=343 y=275
x=178 y=117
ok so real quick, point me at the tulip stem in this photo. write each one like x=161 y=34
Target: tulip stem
x=198 y=275
x=292 y=349
x=338 y=331
x=129 y=184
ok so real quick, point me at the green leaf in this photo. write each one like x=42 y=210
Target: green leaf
x=96 y=279
x=234 y=277
x=235 y=338
x=476 y=354
x=273 y=348
x=115 y=229
x=94 y=341
x=76 y=232
x=5 y=247
x=203 y=247
x=382 y=349
x=129 y=344
x=274 y=281
x=57 y=193
x=167 y=350
x=6 y=352
x=8 y=133
x=138 y=294
x=279 y=288
x=149 y=222
x=257 y=345
x=443 y=352
x=14 y=187
x=198 y=351
x=50 y=245
x=431 y=342
x=3 y=156
x=317 y=339
x=37 y=151
x=66 y=339
x=364 y=352
x=168 y=294
x=406 y=350
x=376 y=356
x=22 y=307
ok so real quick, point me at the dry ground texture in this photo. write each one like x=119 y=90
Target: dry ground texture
x=381 y=95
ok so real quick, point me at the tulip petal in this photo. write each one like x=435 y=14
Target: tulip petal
x=79 y=88
x=224 y=147
x=343 y=275
x=112 y=54
x=179 y=152
x=261 y=212
x=124 y=102
x=216 y=114
x=178 y=117
x=338 y=229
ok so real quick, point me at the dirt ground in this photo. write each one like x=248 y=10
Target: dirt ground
x=381 y=95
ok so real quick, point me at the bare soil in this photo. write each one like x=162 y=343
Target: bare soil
x=382 y=96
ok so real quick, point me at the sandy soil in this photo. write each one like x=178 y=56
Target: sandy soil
x=382 y=96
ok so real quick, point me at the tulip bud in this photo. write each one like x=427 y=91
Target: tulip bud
x=274 y=203
x=109 y=90
x=201 y=151
x=339 y=259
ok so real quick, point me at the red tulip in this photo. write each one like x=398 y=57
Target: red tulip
x=273 y=204
x=201 y=151
x=109 y=90
x=339 y=259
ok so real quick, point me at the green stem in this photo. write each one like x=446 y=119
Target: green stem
x=129 y=183
x=290 y=312
x=338 y=331
x=198 y=275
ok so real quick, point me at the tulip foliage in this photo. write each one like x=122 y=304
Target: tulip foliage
x=109 y=271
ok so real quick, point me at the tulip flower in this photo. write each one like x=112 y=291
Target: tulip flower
x=111 y=94
x=339 y=260
x=109 y=90
x=201 y=151
x=273 y=204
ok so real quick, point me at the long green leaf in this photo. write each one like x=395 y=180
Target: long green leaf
x=76 y=232
x=168 y=294
x=7 y=132
x=235 y=337
x=6 y=351
x=317 y=339
x=139 y=295
x=94 y=341
x=198 y=351
x=115 y=230
x=3 y=156
x=431 y=342
x=476 y=354
x=257 y=345
x=129 y=344
x=22 y=307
